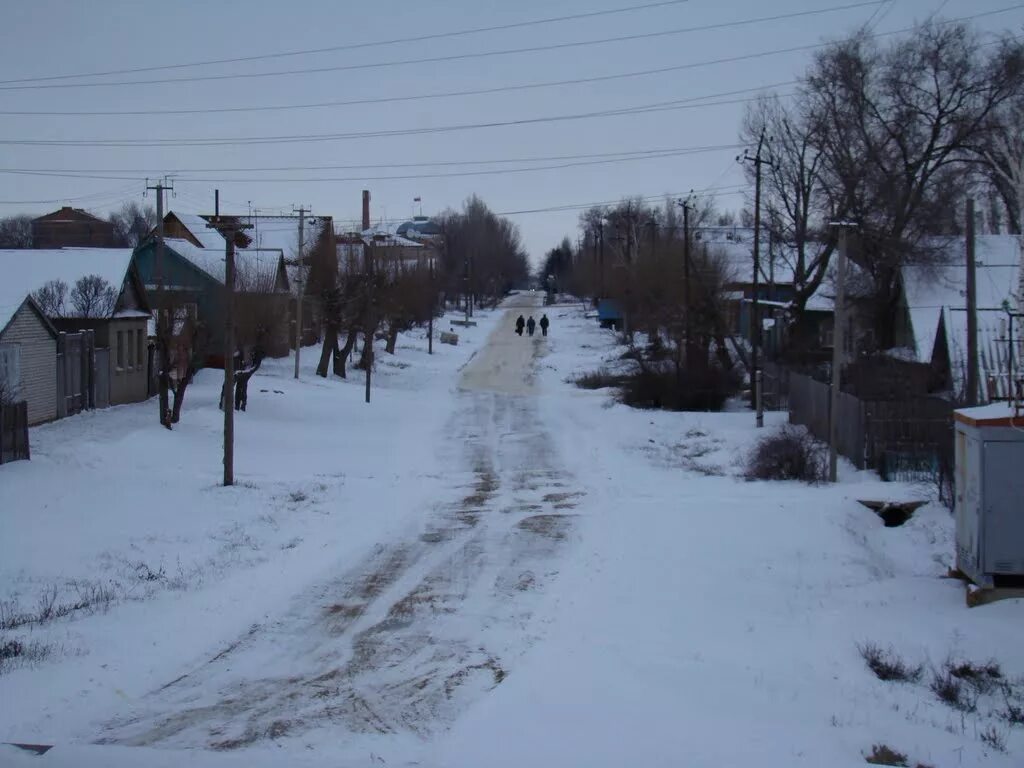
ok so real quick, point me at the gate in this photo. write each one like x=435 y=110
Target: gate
x=14 y=432
x=102 y=377
x=75 y=373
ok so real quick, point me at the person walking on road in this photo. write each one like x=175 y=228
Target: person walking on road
x=530 y=325
x=544 y=323
x=519 y=325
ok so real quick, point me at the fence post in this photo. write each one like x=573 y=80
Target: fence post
x=23 y=426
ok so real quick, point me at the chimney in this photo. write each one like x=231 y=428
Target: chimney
x=366 y=209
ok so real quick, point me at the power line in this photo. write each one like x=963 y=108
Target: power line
x=455 y=174
x=94 y=197
x=403 y=132
x=428 y=164
x=718 y=192
x=451 y=57
x=313 y=138
x=354 y=46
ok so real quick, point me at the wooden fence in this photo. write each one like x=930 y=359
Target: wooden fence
x=907 y=439
x=810 y=404
x=14 y=432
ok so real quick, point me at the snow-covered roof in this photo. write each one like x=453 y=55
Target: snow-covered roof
x=738 y=258
x=282 y=232
x=384 y=237
x=26 y=270
x=197 y=226
x=254 y=270
x=939 y=293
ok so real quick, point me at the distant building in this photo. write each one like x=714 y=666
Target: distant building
x=419 y=228
x=71 y=228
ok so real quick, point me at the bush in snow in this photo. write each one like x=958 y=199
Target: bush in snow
x=791 y=454
x=883 y=755
x=887 y=665
x=696 y=389
x=599 y=379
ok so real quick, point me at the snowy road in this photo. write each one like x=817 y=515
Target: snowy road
x=406 y=638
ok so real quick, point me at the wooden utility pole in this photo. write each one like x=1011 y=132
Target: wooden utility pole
x=433 y=306
x=162 y=320
x=972 y=310
x=839 y=325
x=302 y=285
x=755 y=310
x=370 y=315
x=688 y=293
x=229 y=229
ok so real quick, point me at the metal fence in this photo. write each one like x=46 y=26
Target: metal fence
x=14 y=432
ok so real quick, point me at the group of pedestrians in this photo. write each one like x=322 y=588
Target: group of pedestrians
x=531 y=325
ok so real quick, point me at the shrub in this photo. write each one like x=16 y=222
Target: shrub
x=696 y=389
x=951 y=690
x=884 y=755
x=887 y=665
x=791 y=454
x=994 y=738
x=981 y=677
x=599 y=379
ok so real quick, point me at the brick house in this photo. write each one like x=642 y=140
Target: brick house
x=71 y=228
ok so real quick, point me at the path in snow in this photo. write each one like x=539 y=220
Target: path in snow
x=407 y=638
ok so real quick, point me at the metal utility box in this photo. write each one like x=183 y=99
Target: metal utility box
x=989 y=493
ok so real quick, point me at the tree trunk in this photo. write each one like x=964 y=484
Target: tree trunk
x=367 y=351
x=330 y=347
x=341 y=358
x=164 y=380
x=179 y=394
x=392 y=341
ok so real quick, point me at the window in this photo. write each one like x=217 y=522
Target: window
x=120 y=349
x=129 y=350
x=140 y=346
x=10 y=371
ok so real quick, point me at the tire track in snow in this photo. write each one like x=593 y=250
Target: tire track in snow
x=407 y=638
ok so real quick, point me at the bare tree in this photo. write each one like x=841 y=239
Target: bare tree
x=794 y=202
x=132 y=223
x=1002 y=154
x=893 y=125
x=51 y=298
x=16 y=231
x=93 y=296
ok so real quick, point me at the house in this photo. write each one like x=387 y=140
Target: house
x=732 y=249
x=190 y=283
x=71 y=228
x=931 y=327
x=270 y=236
x=40 y=334
x=28 y=355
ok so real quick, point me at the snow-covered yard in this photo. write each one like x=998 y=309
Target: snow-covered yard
x=486 y=566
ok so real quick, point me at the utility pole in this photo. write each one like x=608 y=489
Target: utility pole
x=688 y=294
x=755 y=311
x=302 y=285
x=228 y=229
x=972 y=310
x=433 y=306
x=161 y=310
x=839 y=325
x=600 y=256
x=370 y=315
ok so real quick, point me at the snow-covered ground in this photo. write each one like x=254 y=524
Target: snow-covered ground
x=485 y=566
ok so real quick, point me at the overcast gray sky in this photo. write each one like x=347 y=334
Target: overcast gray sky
x=43 y=38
